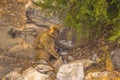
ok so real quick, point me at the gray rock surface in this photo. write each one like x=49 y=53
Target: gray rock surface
x=71 y=71
x=115 y=58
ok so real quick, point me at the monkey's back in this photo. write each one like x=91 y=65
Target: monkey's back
x=43 y=43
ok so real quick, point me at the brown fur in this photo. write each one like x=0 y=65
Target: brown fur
x=44 y=45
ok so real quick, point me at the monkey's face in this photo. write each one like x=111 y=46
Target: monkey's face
x=56 y=34
x=54 y=31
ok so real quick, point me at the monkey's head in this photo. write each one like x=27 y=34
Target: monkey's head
x=54 y=31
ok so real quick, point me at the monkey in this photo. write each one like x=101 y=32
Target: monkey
x=45 y=43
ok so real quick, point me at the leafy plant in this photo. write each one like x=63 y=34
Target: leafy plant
x=85 y=15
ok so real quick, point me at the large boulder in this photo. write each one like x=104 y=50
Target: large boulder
x=13 y=75
x=33 y=74
x=71 y=71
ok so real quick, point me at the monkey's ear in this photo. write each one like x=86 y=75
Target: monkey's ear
x=54 y=27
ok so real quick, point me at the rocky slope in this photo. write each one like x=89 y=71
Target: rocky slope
x=20 y=22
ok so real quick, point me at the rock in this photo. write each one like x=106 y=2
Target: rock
x=33 y=74
x=101 y=76
x=71 y=71
x=46 y=69
x=22 y=45
x=70 y=58
x=43 y=68
x=21 y=49
x=86 y=62
x=95 y=58
x=13 y=75
x=37 y=17
x=14 y=33
x=41 y=72
x=115 y=58
x=64 y=53
x=32 y=30
x=6 y=41
x=68 y=44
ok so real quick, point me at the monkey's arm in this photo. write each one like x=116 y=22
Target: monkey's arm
x=49 y=47
x=37 y=44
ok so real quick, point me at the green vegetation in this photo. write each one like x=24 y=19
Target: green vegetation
x=91 y=17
